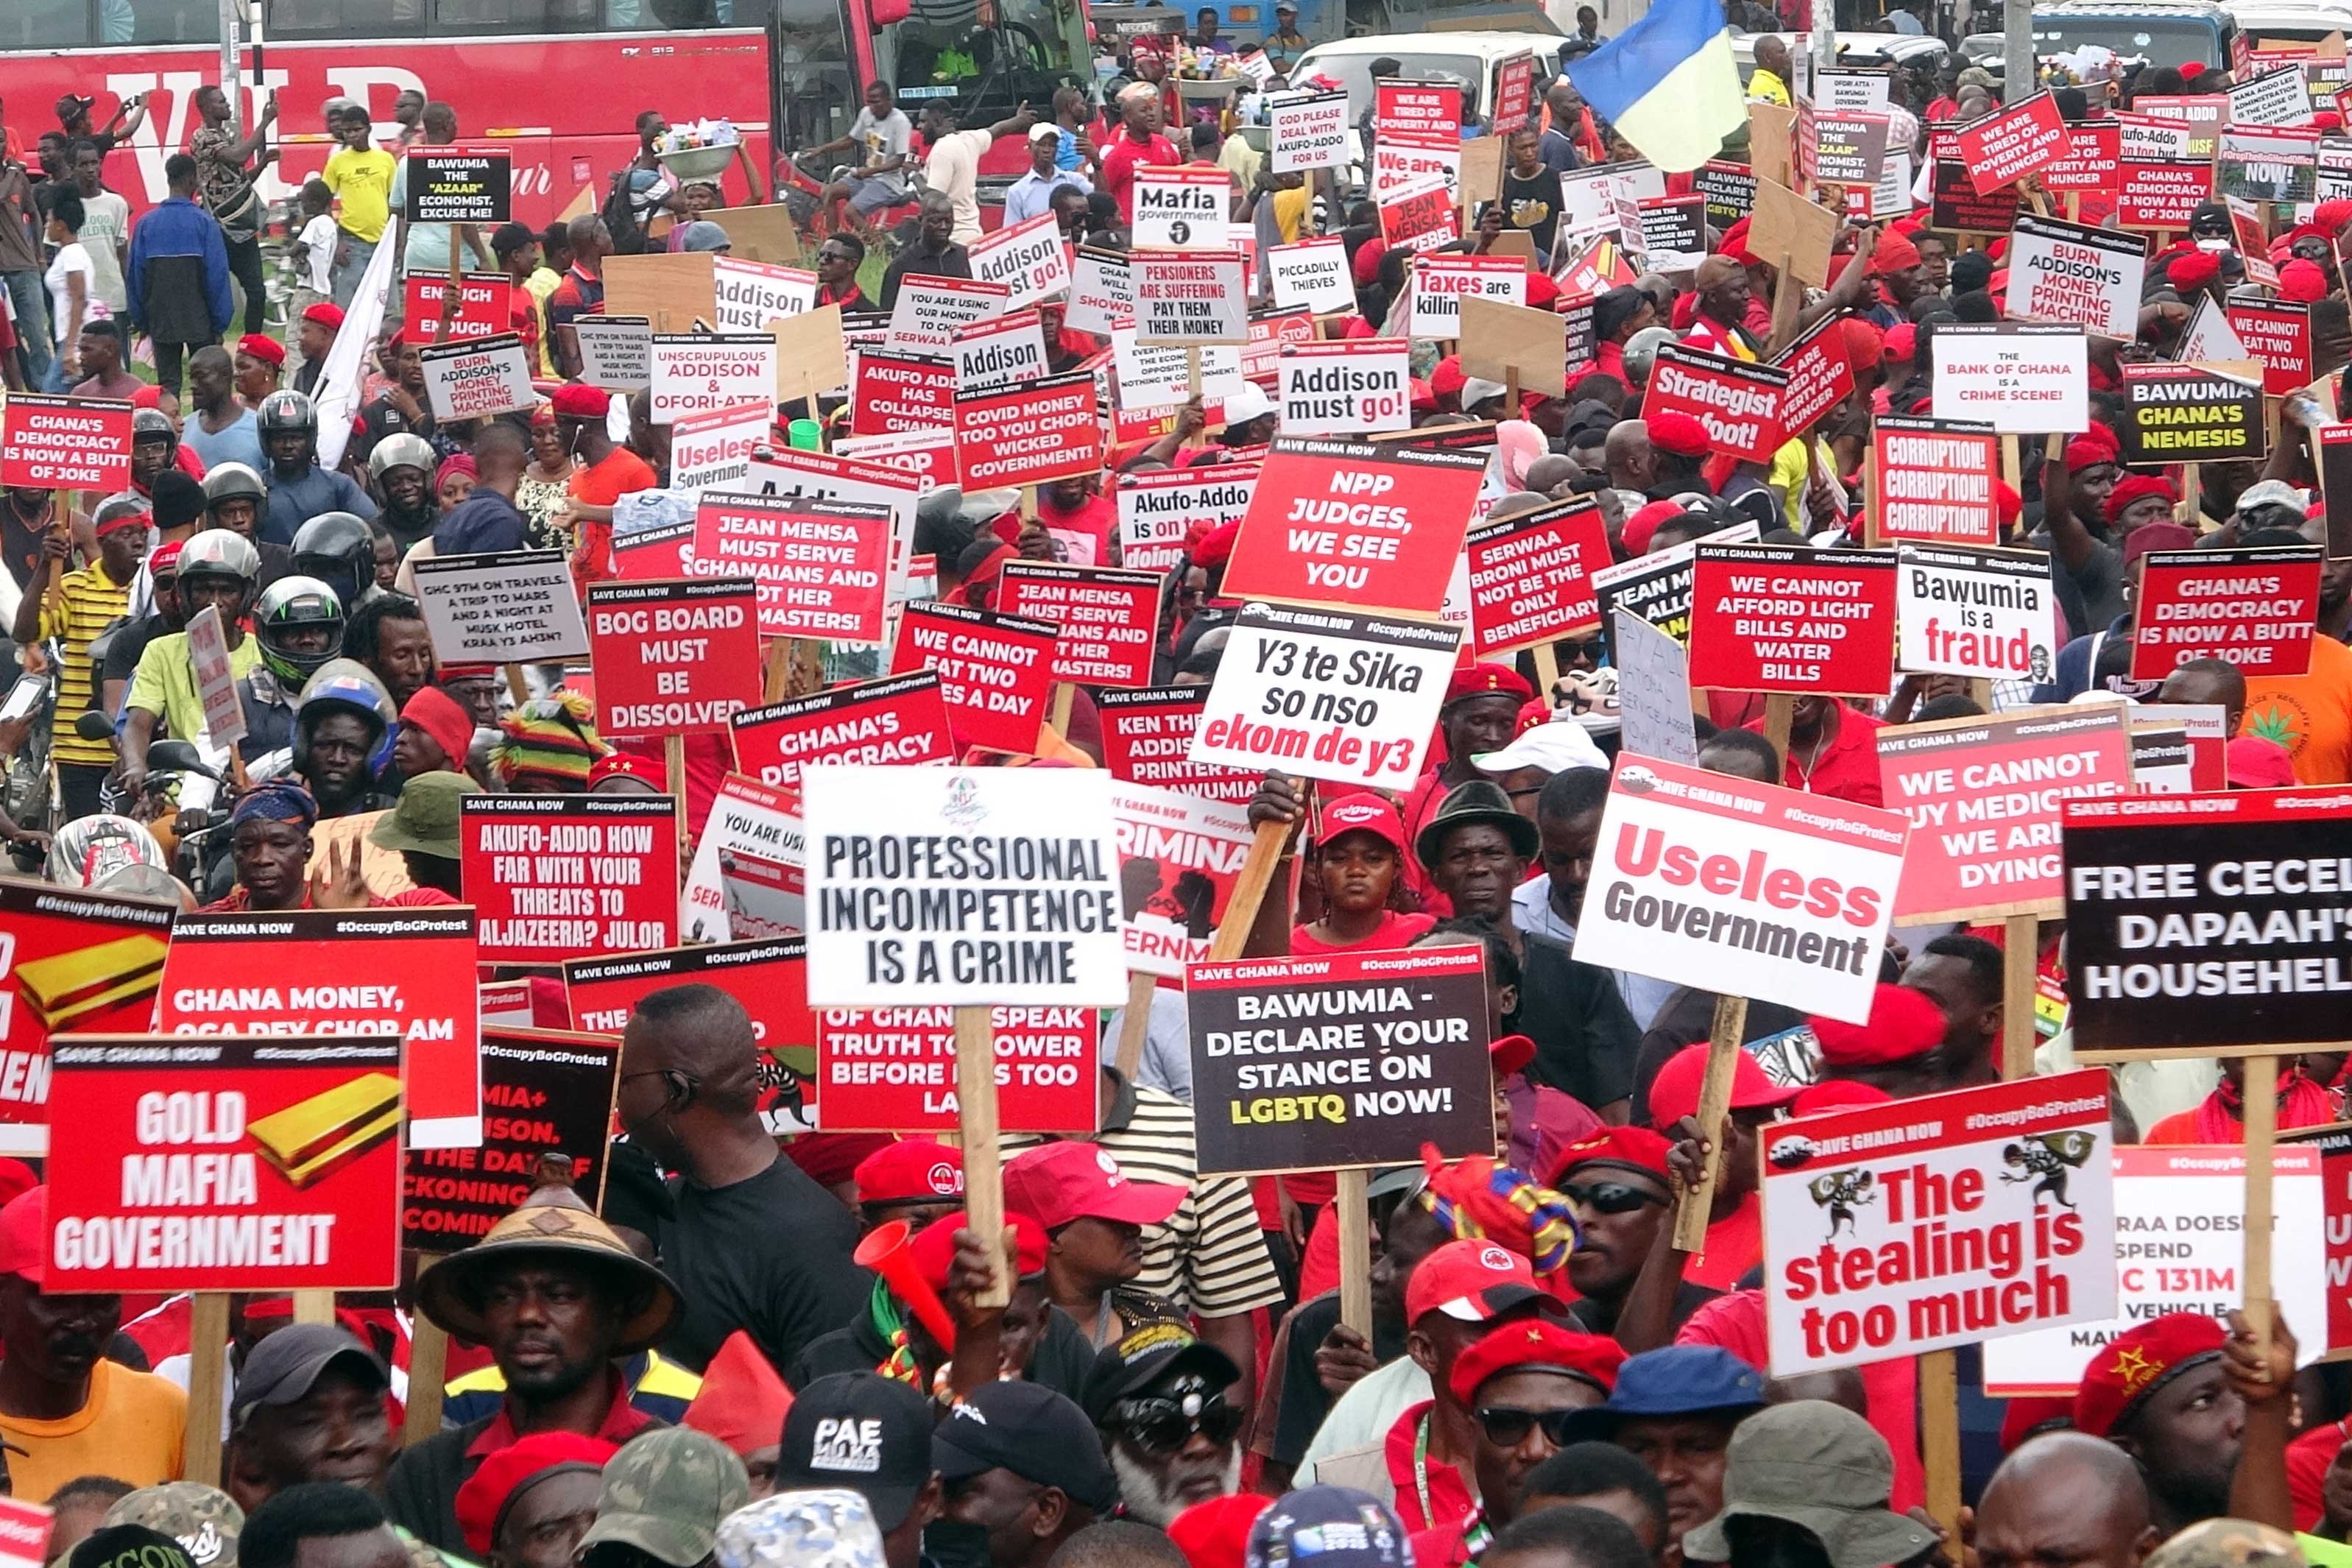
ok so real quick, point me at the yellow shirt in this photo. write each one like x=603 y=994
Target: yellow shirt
x=363 y=184
x=164 y=684
x=132 y=1428
x=1769 y=87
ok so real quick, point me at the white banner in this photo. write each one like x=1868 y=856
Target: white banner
x=929 y=310
x=1028 y=258
x=1358 y=387
x=478 y=377
x=694 y=372
x=616 y=353
x=1000 y=352
x=1307 y=131
x=1314 y=273
x=748 y=295
x=1441 y=282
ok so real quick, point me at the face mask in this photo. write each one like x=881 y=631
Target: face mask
x=951 y=1544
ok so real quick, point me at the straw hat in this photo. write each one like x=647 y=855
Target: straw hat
x=551 y=1227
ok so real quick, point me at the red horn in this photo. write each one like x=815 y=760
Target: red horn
x=888 y=1251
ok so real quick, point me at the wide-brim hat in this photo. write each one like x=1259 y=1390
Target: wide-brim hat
x=553 y=1225
x=1480 y=800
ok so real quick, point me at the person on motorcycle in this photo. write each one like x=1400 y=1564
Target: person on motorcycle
x=341 y=720
x=85 y=603
x=218 y=570
x=338 y=550
x=300 y=489
x=402 y=466
x=234 y=499
x=155 y=446
x=878 y=181
x=299 y=624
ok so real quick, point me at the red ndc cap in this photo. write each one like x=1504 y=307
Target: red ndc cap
x=1364 y=814
x=914 y=1171
x=1059 y=1183
x=1471 y=1282
x=22 y=1221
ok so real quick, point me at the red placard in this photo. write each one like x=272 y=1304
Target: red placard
x=85 y=961
x=1738 y=403
x=266 y=1162
x=901 y=392
x=1371 y=527
x=1107 y=615
x=1956 y=203
x=901 y=721
x=1421 y=216
x=1531 y=576
x=1513 y=93
x=770 y=978
x=2247 y=234
x=2091 y=161
x=1821 y=375
x=1148 y=739
x=894 y=1070
x=679 y=657
x=2278 y=333
x=338 y=971
x=995 y=671
x=2335 y=1146
x=1406 y=108
x=1775 y=617
x=2002 y=147
x=1271 y=332
x=1936 y=481
x=485 y=306
x=2255 y=608
x=822 y=567
x=2162 y=192
x=65 y=443
x=565 y=876
x=1031 y=434
x=653 y=555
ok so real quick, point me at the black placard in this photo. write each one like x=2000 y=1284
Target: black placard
x=460 y=184
x=544 y=1092
x=1956 y=204
x=1729 y=189
x=2181 y=414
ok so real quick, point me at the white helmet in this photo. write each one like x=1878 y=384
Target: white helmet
x=219 y=553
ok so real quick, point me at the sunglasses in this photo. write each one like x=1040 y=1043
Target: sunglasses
x=1608 y=1198
x=1507 y=1428
x=1164 y=1425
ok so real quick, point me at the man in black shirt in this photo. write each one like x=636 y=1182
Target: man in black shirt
x=751 y=1243
x=126 y=643
x=934 y=254
x=1531 y=192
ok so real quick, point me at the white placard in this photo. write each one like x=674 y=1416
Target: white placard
x=697 y=373
x=1029 y=259
x=1102 y=291
x=1159 y=507
x=1307 y=131
x=1400 y=161
x=998 y=352
x=215 y=678
x=1314 y=273
x=2210 y=337
x=1845 y=91
x=1184 y=836
x=1440 y=283
x=2070 y=272
x=1978 y=613
x=2275 y=98
x=1152 y=375
x=1190 y=297
x=2017 y=379
x=748 y=295
x=515 y=606
x=961 y=886
x=1353 y=388
x=1183 y=207
x=478 y=377
x=929 y=310
x=713 y=451
x=747 y=817
x=616 y=353
x=1653 y=694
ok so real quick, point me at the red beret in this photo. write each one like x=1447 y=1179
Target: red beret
x=1735 y=244
x=1902 y=1024
x=2192 y=69
x=1216 y=546
x=2136 y=487
x=1630 y=1148
x=486 y=1493
x=934 y=1246
x=2093 y=446
x=577 y=402
x=1367 y=269
x=1542 y=292
x=1679 y=433
x=2326 y=120
x=2301 y=282
x=913 y=1171
x=268 y=351
x=2150 y=536
x=1866 y=345
x=1836 y=1094
x=2007 y=503
x=2026 y=1414
x=2195 y=270
x=2331 y=216
x=1540 y=1342
x=327 y=313
x=1485 y=680
x=1215 y=1533
x=1644 y=522
x=2139 y=1361
x=828 y=1158
x=1425 y=401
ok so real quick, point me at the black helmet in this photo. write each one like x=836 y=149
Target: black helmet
x=153 y=425
x=338 y=550
x=286 y=410
x=234 y=481
x=290 y=604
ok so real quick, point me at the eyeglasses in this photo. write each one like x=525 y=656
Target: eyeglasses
x=1608 y=1198
x=1507 y=1428
x=1166 y=1425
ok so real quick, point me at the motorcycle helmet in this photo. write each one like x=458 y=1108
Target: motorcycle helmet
x=286 y=410
x=338 y=550
x=403 y=449
x=339 y=685
x=234 y=481
x=153 y=425
x=89 y=850
x=1642 y=349
x=292 y=605
x=219 y=553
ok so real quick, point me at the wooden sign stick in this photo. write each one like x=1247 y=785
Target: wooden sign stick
x=314 y=1306
x=1940 y=1433
x=207 y=1361
x=1546 y=671
x=674 y=781
x=2261 y=1100
x=1355 y=1251
x=983 y=1182
x=2019 y=953
x=1135 y=1023
x=429 y=1365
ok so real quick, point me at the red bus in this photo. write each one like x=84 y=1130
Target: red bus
x=562 y=81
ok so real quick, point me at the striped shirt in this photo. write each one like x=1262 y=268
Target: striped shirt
x=87 y=601
x=1210 y=1258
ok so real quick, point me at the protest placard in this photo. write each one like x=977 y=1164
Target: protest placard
x=2091 y=163
x=2009 y=143
x=1343 y=1060
x=821 y=566
x=1326 y=693
x=255 y=1163
x=1147 y=739
x=694 y=372
x=2162 y=192
x=476 y=378
x=1350 y=388
x=1746 y=888
x=459 y=185
x=1375 y=526
x=2062 y=271
x=1180 y=206
x=1026 y=257
x=1729 y=189
x=1533 y=347
x=954 y=886
x=927 y=456
x=1847 y=148
x=995 y=671
x=1946 y=1219
x=930 y=310
x=1313 y=273
x=1029 y=434
x=2179 y=1223
x=1403 y=162
x=1107 y=616
x=514 y=606
x=562 y=876
x=670 y=288
x=1190 y=297
x=1179 y=856
x=1778 y=618
x=2198 y=736
x=2147 y=136
x=748 y=295
x=902 y=720
x=713 y=450
x=1002 y=350
x=1653 y=691
x=766 y=977
x=1935 y=478
x=2013 y=377
x=2267 y=164
x=549 y=1093
x=1956 y=203
x=1985 y=797
x=65 y=443
x=484 y=307
x=1987 y=614
x=1306 y=131
x=1513 y=93
x=2248 y=231
x=2277 y=334
x=1821 y=375
x=1738 y=403
x=902 y=392
x=1420 y=214
x=1159 y=374
x=1440 y=284
x=1102 y=291
x=654 y=553
x=2197 y=923
x=2177 y=413
x=1157 y=509
x=86 y=962
x=2254 y=607
x=2210 y=339
x=1657 y=587
x=1531 y=575
x=826 y=476
x=2273 y=98
x=894 y=1068
x=751 y=824
x=2335 y=454
x=208 y=660
x=673 y=659
x=1404 y=107
x=616 y=353
x=2333 y=1144
x=26 y=1529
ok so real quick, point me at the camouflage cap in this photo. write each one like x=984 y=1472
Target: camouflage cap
x=202 y=1519
x=2228 y=1543
x=666 y=1492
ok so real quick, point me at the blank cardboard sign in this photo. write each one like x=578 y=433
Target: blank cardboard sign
x=1482 y=173
x=758 y=233
x=810 y=356
x=1497 y=337
x=672 y=291
x=1788 y=224
x=1771 y=133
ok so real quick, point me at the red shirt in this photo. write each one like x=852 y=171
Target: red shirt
x=1450 y=1505
x=1394 y=931
x=1845 y=766
x=618 y=473
x=622 y=1421
x=1118 y=165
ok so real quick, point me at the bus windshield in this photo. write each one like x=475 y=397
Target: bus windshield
x=987 y=56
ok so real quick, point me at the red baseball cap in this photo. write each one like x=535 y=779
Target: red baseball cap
x=1902 y=1024
x=22 y=1221
x=1058 y=1183
x=1471 y=1282
x=914 y=1171
x=1673 y=1093
x=933 y=1249
x=1364 y=814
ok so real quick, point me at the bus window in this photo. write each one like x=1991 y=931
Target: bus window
x=46 y=24
x=513 y=15
x=291 y=19
x=160 y=22
x=816 y=95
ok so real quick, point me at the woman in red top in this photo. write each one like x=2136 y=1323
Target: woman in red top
x=1360 y=862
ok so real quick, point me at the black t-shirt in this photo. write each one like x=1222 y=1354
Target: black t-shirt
x=1585 y=1038
x=1060 y=1361
x=1532 y=206
x=769 y=1255
x=122 y=650
x=1306 y=1402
